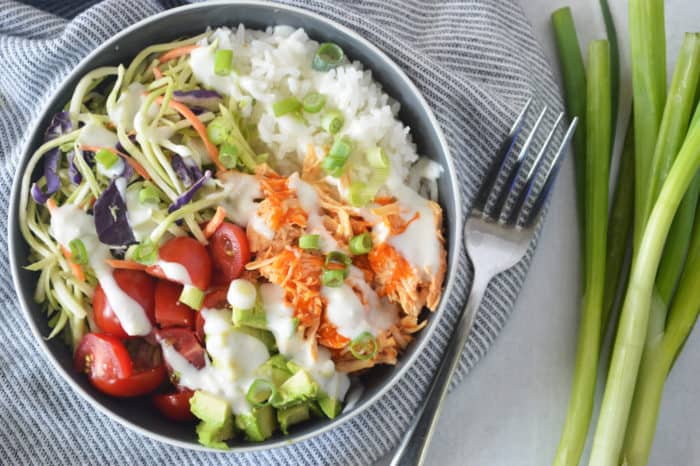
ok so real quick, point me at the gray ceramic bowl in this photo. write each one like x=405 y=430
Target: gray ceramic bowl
x=138 y=414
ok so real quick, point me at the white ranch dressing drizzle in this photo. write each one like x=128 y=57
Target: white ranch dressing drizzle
x=241 y=192
x=236 y=357
x=353 y=315
x=68 y=222
x=94 y=134
x=139 y=215
x=280 y=322
x=128 y=105
x=419 y=243
x=174 y=271
x=308 y=198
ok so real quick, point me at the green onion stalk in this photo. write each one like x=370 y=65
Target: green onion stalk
x=631 y=334
x=597 y=173
x=648 y=54
x=662 y=347
x=658 y=361
x=619 y=229
x=574 y=79
x=673 y=129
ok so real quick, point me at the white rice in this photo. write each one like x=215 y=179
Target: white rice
x=276 y=64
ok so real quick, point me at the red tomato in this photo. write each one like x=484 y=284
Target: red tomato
x=175 y=406
x=136 y=284
x=190 y=254
x=185 y=343
x=119 y=371
x=102 y=356
x=139 y=384
x=170 y=312
x=229 y=251
x=215 y=299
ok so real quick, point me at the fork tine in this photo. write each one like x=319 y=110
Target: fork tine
x=551 y=175
x=530 y=178
x=509 y=184
x=503 y=151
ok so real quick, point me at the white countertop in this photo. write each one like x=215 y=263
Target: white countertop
x=510 y=409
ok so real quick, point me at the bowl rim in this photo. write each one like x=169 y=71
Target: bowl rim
x=14 y=236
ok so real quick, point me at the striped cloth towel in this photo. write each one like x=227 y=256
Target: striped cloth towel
x=475 y=61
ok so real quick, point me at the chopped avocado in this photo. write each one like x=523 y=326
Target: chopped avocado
x=259 y=424
x=212 y=436
x=331 y=407
x=293 y=367
x=298 y=388
x=292 y=415
x=210 y=408
x=315 y=409
x=255 y=317
x=216 y=417
x=263 y=335
x=275 y=369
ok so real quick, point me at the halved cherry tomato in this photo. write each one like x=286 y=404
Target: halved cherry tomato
x=139 y=384
x=185 y=343
x=229 y=251
x=102 y=356
x=170 y=312
x=175 y=406
x=215 y=299
x=136 y=284
x=189 y=253
x=119 y=371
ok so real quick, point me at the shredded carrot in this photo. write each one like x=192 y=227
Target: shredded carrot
x=198 y=126
x=157 y=73
x=126 y=265
x=176 y=53
x=75 y=268
x=215 y=222
x=138 y=168
x=51 y=204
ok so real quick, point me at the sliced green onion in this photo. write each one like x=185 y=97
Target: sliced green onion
x=333 y=166
x=261 y=393
x=377 y=158
x=149 y=194
x=341 y=148
x=328 y=55
x=228 y=155
x=314 y=102
x=192 y=296
x=78 y=253
x=146 y=253
x=218 y=130
x=332 y=121
x=338 y=257
x=359 y=194
x=361 y=244
x=106 y=158
x=364 y=346
x=286 y=106
x=333 y=278
x=309 y=241
x=223 y=62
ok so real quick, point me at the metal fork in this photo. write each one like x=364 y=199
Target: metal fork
x=496 y=239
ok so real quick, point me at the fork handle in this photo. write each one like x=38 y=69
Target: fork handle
x=414 y=446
